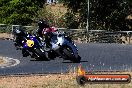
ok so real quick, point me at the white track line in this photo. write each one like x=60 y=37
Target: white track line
x=7 y=60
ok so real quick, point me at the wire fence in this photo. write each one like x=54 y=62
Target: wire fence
x=80 y=35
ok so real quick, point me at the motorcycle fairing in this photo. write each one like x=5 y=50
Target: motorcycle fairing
x=30 y=43
x=62 y=41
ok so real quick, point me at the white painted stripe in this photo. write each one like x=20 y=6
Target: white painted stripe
x=7 y=62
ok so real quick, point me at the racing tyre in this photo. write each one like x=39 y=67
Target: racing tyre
x=69 y=54
x=25 y=53
x=41 y=55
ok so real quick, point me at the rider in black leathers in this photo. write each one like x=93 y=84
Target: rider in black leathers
x=19 y=35
x=44 y=30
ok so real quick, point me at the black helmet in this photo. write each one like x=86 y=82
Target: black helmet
x=42 y=24
x=19 y=32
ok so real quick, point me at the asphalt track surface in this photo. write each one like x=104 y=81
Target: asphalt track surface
x=99 y=56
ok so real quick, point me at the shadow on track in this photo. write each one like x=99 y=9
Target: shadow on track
x=72 y=62
x=38 y=60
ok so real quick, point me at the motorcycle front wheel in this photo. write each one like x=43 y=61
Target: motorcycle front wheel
x=41 y=55
x=68 y=53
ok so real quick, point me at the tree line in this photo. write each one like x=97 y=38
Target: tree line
x=103 y=14
x=19 y=11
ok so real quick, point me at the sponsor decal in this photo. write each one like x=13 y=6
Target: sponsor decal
x=83 y=78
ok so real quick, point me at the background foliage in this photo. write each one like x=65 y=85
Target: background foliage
x=103 y=14
x=19 y=11
x=53 y=14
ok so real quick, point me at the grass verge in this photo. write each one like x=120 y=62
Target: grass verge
x=52 y=81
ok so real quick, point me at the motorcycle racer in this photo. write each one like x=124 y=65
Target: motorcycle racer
x=46 y=30
x=19 y=35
